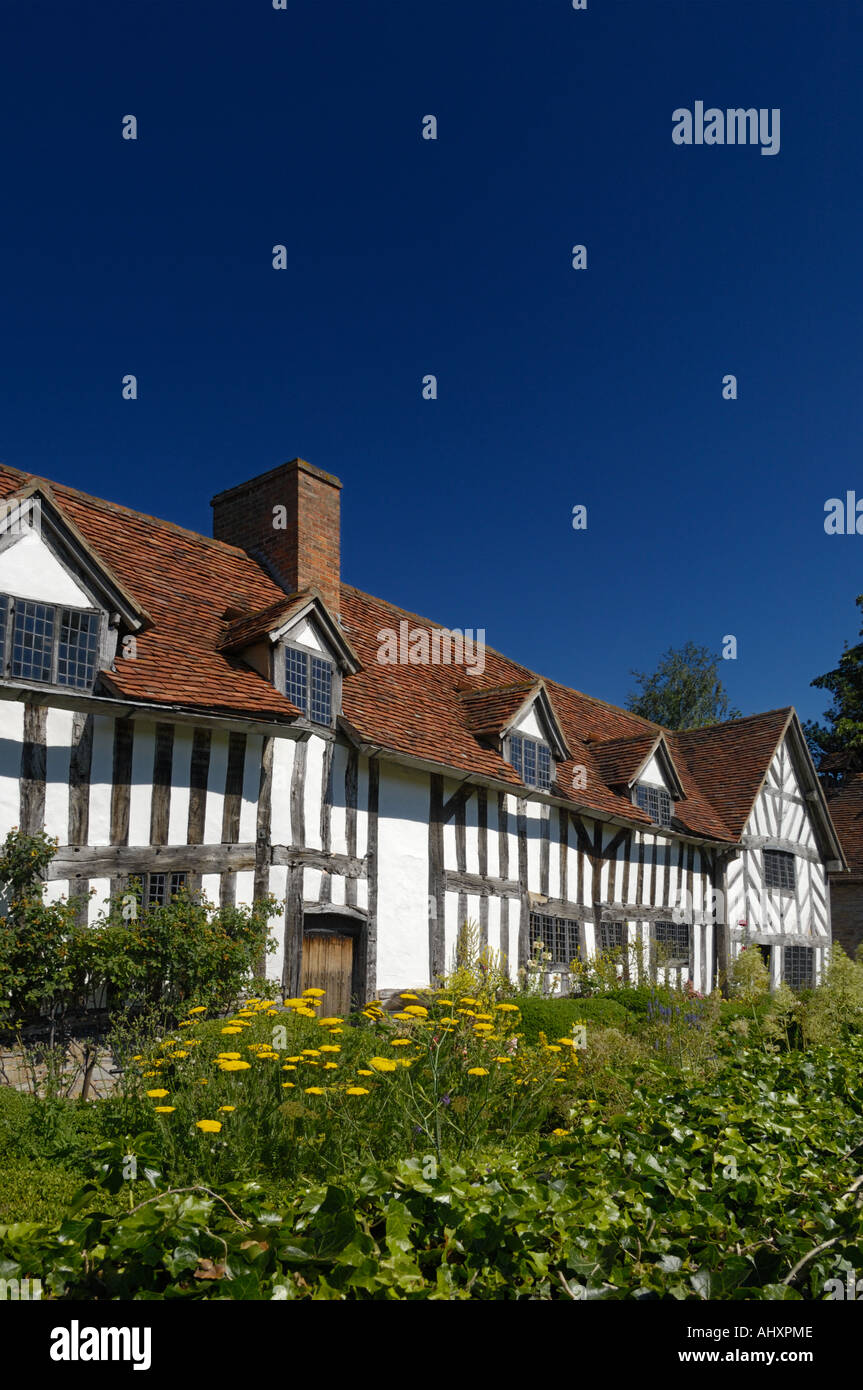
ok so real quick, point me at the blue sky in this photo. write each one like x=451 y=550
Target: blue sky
x=407 y=257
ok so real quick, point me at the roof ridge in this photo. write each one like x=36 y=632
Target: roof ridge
x=102 y=504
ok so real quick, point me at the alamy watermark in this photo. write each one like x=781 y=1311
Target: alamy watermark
x=734 y=126
x=421 y=646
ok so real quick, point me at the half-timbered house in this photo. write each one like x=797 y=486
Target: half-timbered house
x=217 y=714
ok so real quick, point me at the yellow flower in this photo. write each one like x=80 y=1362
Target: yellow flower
x=311 y=1052
x=209 y=1126
x=485 y=1017
x=187 y=1023
x=232 y=1030
x=483 y=1027
x=164 y=1109
x=406 y=995
x=315 y=993
x=330 y=1047
x=287 y=1085
x=560 y=1133
x=305 y=1013
x=137 y=1059
x=400 y=1042
x=229 y=1056
x=356 y=1091
x=503 y=1059
x=234 y=1066
x=289 y=1068
x=203 y=1081
x=467 y=1001
x=292 y=1003
x=294 y=1059
x=157 y=1095
x=148 y=1073
x=477 y=1071
x=247 y=1013
x=404 y=1016
x=567 y=1042
x=552 y=1047
x=382 y=1063
x=508 y=1008
x=326 y=1022
x=364 y=1073
x=314 y=1090
x=179 y=1054
x=227 y=1108
x=331 y=1066
x=334 y=1032
x=199 y=1009
x=469 y=1013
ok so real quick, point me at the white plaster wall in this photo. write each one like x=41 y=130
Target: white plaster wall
x=98 y=901
x=28 y=569
x=651 y=774
x=101 y=770
x=58 y=739
x=251 y=786
x=11 y=739
x=280 y=815
x=216 y=789
x=181 y=766
x=402 y=878
x=530 y=725
x=141 y=787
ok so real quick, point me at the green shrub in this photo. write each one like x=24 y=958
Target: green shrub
x=50 y=966
x=556 y=1017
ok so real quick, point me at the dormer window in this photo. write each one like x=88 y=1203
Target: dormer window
x=531 y=760
x=309 y=684
x=656 y=802
x=48 y=643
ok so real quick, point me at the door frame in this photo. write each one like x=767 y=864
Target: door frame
x=352 y=923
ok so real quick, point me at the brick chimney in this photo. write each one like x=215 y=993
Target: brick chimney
x=288 y=520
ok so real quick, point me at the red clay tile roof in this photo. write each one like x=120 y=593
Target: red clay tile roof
x=618 y=759
x=846 y=811
x=252 y=627
x=730 y=761
x=490 y=710
x=187 y=582
x=183 y=581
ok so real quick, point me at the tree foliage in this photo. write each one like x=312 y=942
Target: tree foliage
x=684 y=692
x=836 y=744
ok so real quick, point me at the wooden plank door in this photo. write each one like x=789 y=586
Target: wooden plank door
x=328 y=964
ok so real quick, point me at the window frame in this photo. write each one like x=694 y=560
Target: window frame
x=537 y=743
x=146 y=880
x=310 y=654
x=571 y=926
x=674 y=962
x=10 y=607
x=649 y=789
x=810 y=951
x=603 y=926
x=780 y=857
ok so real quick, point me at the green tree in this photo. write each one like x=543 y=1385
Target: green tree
x=684 y=692
x=836 y=744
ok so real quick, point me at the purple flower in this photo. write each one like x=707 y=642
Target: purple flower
x=445 y=1100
